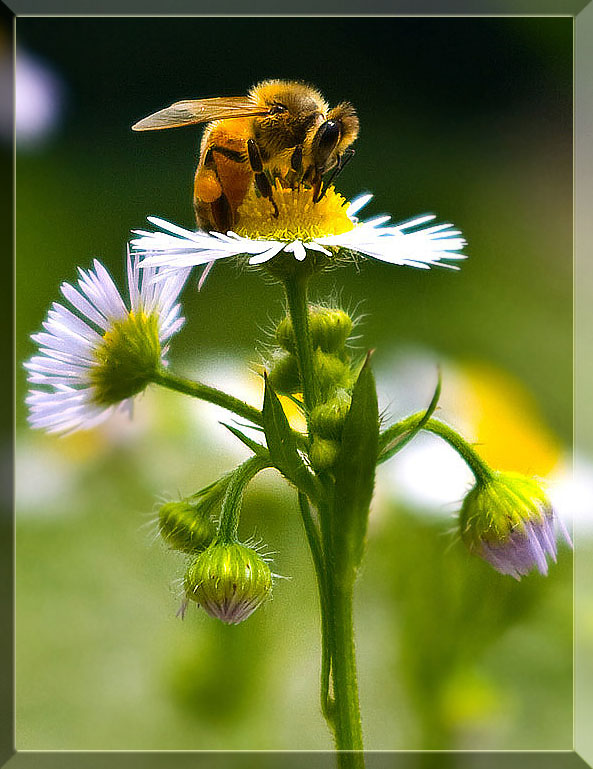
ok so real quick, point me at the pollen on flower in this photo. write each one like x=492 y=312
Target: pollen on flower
x=299 y=218
x=126 y=359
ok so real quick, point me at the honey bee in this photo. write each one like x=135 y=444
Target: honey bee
x=281 y=130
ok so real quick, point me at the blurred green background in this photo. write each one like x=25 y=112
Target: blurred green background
x=468 y=118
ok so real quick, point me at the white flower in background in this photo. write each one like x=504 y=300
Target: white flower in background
x=95 y=357
x=302 y=229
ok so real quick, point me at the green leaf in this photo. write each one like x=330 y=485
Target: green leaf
x=394 y=439
x=282 y=446
x=256 y=447
x=355 y=471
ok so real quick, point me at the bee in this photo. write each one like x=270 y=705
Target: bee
x=281 y=130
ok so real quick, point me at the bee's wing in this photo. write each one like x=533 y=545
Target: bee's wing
x=200 y=111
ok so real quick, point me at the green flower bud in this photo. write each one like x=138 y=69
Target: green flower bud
x=330 y=328
x=327 y=420
x=323 y=453
x=331 y=372
x=186 y=526
x=285 y=335
x=229 y=581
x=508 y=520
x=284 y=374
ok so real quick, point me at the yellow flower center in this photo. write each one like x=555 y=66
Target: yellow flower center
x=127 y=357
x=299 y=218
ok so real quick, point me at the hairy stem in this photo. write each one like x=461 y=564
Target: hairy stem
x=231 y=504
x=207 y=393
x=311 y=530
x=296 y=295
x=342 y=710
x=474 y=461
x=345 y=722
x=348 y=727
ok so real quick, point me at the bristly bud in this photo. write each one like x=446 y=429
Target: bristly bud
x=331 y=373
x=323 y=453
x=327 y=420
x=187 y=526
x=230 y=581
x=284 y=374
x=285 y=335
x=329 y=327
x=508 y=520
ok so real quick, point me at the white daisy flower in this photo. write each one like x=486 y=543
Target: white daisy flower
x=95 y=357
x=302 y=228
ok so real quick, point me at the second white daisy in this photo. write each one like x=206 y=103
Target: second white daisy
x=95 y=357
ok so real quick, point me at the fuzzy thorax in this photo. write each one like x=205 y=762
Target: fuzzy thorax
x=299 y=218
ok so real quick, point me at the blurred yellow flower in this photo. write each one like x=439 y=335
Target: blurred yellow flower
x=505 y=422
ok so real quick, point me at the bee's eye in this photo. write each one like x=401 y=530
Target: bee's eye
x=276 y=108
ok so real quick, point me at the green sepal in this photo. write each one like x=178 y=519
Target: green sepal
x=256 y=447
x=215 y=491
x=354 y=471
x=392 y=440
x=282 y=445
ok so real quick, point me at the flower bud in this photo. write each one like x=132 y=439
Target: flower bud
x=284 y=374
x=331 y=373
x=323 y=453
x=509 y=521
x=330 y=328
x=229 y=581
x=285 y=335
x=186 y=526
x=327 y=420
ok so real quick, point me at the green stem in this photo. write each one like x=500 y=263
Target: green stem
x=231 y=504
x=312 y=532
x=296 y=295
x=207 y=393
x=345 y=721
x=342 y=712
x=474 y=461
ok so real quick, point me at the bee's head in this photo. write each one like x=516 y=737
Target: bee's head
x=294 y=110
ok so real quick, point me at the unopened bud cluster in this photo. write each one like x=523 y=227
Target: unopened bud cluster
x=329 y=328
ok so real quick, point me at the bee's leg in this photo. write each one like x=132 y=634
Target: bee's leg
x=296 y=159
x=318 y=190
x=211 y=205
x=294 y=176
x=222 y=213
x=342 y=162
x=238 y=157
x=261 y=180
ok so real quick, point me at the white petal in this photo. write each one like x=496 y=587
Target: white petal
x=313 y=246
x=296 y=248
x=357 y=204
x=265 y=256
